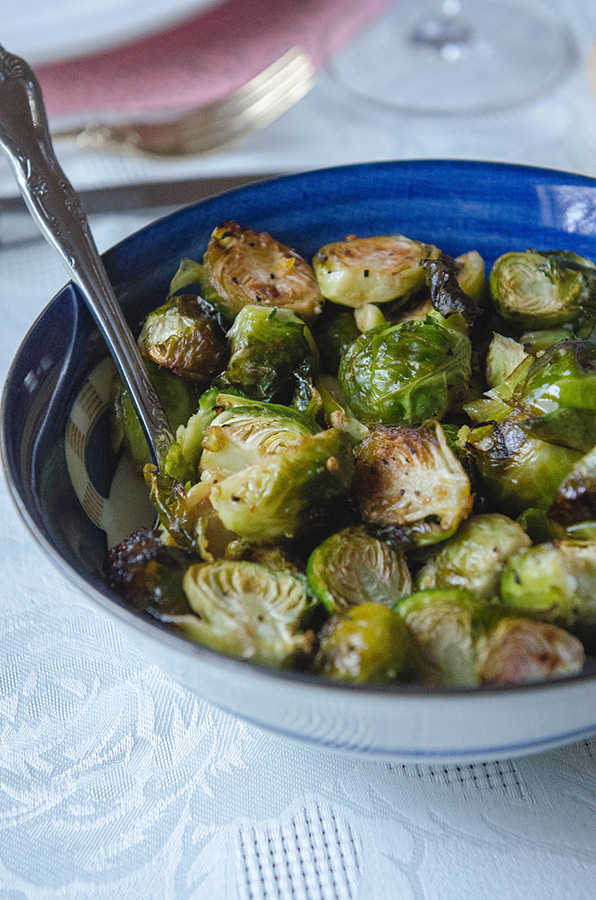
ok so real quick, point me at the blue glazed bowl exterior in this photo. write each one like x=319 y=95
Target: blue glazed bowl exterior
x=458 y=206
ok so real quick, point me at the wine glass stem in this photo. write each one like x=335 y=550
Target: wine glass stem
x=445 y=30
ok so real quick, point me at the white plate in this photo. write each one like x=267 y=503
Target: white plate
x=44 y=31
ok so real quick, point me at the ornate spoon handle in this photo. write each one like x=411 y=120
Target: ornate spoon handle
x=56 y=208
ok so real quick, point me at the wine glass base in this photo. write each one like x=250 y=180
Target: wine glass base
x=461 y=56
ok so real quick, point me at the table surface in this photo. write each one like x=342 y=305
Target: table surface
x=115 y=781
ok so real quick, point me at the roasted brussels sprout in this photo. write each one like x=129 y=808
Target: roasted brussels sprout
x=179 y=400
x=503 y=357
x=334 y=331
x=148 y=574
x=377 y=269
x=404 y=374
x=247 y=610
x=473 y=559
x=353 y=567
x=243 y=267
x=246 y=431
x=180 y=337
x=443 y=627
x=557 y=579
x=270 y=349
x=470 y=272
x=410 y=479
x=287 y=494
x=368 y=642
x=564 y=376
x=541 y=289
x=575 y=499
x=517 y=470
x=521 y=650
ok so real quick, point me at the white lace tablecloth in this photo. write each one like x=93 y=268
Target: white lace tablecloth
x=116 y=782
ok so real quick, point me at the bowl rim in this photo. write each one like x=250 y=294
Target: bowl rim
x=153 y=628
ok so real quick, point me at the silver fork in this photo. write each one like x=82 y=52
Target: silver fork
x=215 y=125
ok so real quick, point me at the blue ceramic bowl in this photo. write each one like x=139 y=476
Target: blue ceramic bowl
x=72 y=493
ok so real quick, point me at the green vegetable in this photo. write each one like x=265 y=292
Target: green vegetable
x=541 y=290
x=521 y=650
x=243 y=267
x=409 y=478
x=270 y=350
x=247 y=610
x=376 y=269
x=180 y=337
x=368 y=642
x=353 y=567
x=503 y=357
x=473 y=559
x=575 y=499
x=446 y=294
x=405 y=374
x=564 y=376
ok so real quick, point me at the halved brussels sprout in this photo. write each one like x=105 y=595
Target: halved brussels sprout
x=541 y=289
x=269 y=349
x=443 y=627
x=446 y=294
x=410 y=478
x=247 y=610
x=376 y=269
x=575 y=499
x=179 y=400
x=244 y=267
x=245 y=431
x=180 y=337
x=473 y=559
x=404 y=374
x=521 y=650
x=503 y=357
x=368 y=316
x=558 y=579
x=368 y=642
x=518 y=471
x=353 y=567
x=287 y=494
x=563 y=376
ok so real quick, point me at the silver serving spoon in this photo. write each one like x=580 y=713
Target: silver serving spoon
x=56 y=209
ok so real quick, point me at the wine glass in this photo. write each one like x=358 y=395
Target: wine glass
x=455 y=56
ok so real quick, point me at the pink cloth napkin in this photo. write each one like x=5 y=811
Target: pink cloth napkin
x=202 y=58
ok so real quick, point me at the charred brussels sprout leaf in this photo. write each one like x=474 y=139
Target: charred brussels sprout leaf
x=247 y=610
x=182 y=459
x=411 y=480
x=542 y=289
x=378 y=269
x=180 y=337
x=334 y=332
x=404 y=374
x=270 y=349
x=179 y=400
x=473 y=559
x=446 y=295
x=558 y=580
x=368 y=642
x=337 y=412
x=352 y=567
x=243 y=267
x=288 y=494
x=520 y=650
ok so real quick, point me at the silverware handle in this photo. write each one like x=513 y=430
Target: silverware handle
x=56 y=208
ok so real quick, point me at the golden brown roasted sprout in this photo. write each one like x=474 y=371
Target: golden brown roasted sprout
x=243 y=267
